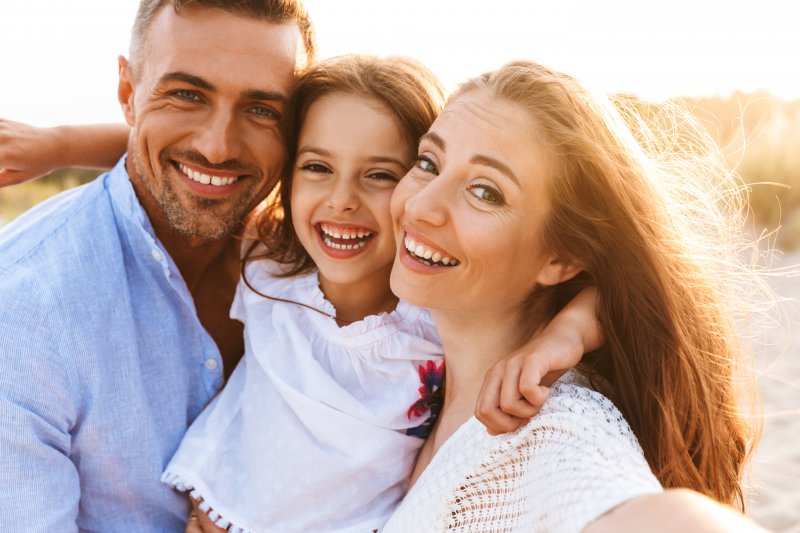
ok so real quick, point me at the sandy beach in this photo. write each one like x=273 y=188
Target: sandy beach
x=775 y=502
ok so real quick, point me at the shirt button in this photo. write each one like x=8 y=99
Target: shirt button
x=211 y=364
x=156 y=254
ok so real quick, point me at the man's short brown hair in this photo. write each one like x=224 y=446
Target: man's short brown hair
x=275 y=11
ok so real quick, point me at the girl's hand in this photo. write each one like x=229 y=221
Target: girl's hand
x=516 y=387
x=199 y=522
x=27 y=152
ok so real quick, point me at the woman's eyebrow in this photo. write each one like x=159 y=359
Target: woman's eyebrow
x=435 y=139
x=495 y=164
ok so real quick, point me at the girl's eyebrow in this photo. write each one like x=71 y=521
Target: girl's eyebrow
x=314 y=149
x=371 y=158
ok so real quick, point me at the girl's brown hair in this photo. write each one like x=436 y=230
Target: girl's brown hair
x=405 y=86
x=651 y=217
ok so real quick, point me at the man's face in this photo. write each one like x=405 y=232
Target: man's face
x=206 y=98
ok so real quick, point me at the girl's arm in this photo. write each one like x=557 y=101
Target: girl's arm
x=28 y=152
x=515 y=388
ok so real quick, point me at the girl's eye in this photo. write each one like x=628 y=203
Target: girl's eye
x=383 y=176
x=487 y=194
x=426 y=165
x=315 y=167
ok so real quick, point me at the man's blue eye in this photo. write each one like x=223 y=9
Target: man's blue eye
x=187 y=95
x=265 y=112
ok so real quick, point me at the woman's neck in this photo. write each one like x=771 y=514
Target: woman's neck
x=472 y=345
x=473 y=342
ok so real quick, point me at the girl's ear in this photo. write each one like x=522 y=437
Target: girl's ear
x=125 y=91
x=556 y=271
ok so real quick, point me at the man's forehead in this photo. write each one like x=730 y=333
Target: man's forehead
x=231 y=39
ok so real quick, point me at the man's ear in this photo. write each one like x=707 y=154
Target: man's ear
x=125 y=90
x=557 y=270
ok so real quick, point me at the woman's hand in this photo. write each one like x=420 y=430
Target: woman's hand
x=27 y=152
x=199 y=522
x=515 y=388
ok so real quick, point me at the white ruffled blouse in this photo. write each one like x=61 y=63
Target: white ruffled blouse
x=319 y=426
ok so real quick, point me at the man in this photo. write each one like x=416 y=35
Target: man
x=114 y=325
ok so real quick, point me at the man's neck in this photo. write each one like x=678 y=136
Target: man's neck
x=210 y=268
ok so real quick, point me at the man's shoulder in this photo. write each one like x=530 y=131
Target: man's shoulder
x=58 y=227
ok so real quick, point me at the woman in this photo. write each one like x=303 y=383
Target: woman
x=536 y=188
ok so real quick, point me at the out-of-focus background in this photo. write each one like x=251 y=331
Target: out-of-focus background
x=734 y=64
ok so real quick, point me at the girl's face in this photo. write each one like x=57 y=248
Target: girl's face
x=468 y=215
x=351 y=155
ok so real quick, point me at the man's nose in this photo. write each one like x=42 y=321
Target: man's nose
x=219 y=138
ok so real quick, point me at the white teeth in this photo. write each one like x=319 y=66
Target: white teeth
x=330 y=231
x=421 y=252
x=337 y=246
x=205 y=179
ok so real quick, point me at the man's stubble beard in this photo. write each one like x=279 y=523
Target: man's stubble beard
x=197 y=219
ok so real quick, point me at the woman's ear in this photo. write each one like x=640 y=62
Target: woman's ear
x=557 y=270
x=125 y=91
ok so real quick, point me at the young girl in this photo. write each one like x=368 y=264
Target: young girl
x=320 y=424
x=333 y=397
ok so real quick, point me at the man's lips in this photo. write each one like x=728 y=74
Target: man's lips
x=207 y=177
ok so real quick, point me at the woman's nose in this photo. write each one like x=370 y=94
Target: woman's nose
x=430 y=202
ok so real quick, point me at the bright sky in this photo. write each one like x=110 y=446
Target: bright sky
x=58 y=59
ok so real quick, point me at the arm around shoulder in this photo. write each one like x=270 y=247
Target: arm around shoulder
x=673 y=510
x=28 y=152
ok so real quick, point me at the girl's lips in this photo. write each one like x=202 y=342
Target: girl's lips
x=343 y=241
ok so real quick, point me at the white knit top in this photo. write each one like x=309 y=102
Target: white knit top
x=570 y=464
x=319 y=426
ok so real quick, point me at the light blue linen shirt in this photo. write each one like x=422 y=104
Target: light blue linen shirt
x=103 y=366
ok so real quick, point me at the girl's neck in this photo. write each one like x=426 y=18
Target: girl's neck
x=354 y=301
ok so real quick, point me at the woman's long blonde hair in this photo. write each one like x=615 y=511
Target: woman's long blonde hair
x=642 y=203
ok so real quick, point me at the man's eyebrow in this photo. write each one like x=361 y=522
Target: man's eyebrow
x=495 y=164
x=197 y=81
x=188 y=78
x=266 y=95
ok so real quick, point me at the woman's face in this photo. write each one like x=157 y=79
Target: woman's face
x=468 y=215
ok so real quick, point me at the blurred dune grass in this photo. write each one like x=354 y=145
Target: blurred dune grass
x=760 y=135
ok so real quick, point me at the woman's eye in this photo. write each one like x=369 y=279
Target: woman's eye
x=426 y=165
x=487 y=194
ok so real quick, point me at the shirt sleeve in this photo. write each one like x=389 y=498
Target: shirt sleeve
x=39 y=483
